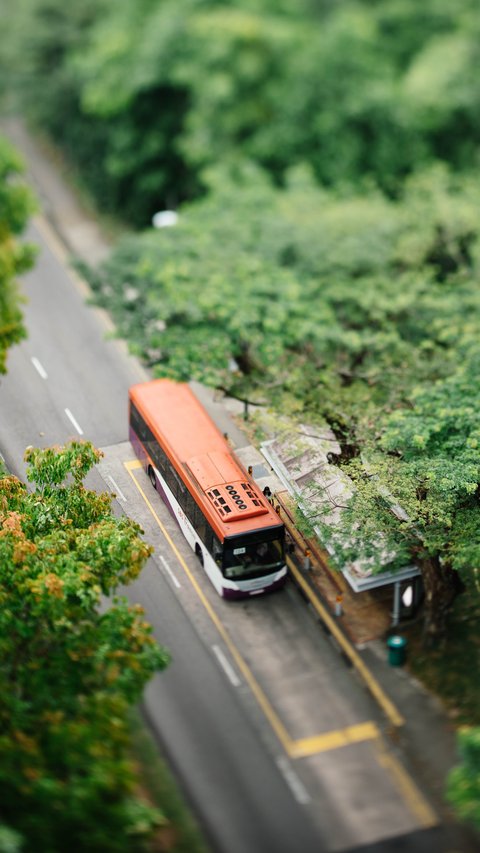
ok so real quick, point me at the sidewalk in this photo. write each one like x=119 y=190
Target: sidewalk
x=425 y=737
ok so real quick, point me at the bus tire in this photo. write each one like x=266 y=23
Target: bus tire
x=153 y=479
x=199 y=553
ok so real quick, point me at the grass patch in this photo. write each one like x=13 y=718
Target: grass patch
x=181 y=833
x=452 y=672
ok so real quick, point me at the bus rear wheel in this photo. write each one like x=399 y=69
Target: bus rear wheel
x=199 y=554
x=153 y=479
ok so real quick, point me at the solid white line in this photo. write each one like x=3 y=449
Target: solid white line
x=117 y=489
x=296 y=786
x=226 y=666
x=169 y=571
x=39 y=367
x=74 y=422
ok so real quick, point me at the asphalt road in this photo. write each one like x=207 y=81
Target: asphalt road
x=277 y=745
x=68 y=377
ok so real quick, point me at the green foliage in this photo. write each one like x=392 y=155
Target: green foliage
x=69 y=669
x=356 y=310
x=10 y=841
x=16 y=204
x=303 y=289
x=145 y=96
x=49 y=468
x=126 y=155
x=464 y=780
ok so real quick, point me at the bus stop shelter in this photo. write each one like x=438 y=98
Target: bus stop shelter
x=302 y=462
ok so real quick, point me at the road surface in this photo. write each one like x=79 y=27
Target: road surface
x=277 y=744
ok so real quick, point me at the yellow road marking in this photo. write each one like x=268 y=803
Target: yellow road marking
x=377 y=692
x=262 y=700
x=295 y=749
x=411 y=794
x=333 y=740
x=287 y=742
x=304 y=747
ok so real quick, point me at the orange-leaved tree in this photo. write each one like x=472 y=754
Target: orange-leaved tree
x=69 y=669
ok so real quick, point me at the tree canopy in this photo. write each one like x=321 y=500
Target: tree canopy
x=464 y=780
x=359 y=311
x=145 y=96
x=69 y=668
x=16 y=205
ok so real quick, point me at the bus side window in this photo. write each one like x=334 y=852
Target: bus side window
x=189 y=506
x=171 y=480
x=208 y=541
x=200 y=523
x=146 y=436
x=181 y=494
x=159 y=458
x=138 y=423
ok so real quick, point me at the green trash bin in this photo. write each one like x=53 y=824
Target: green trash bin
x=397 y=650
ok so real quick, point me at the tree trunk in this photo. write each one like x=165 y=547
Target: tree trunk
x=345 y=435
x=442 y=585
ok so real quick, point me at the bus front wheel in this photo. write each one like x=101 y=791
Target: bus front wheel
x=153 y=479
x=199 y=554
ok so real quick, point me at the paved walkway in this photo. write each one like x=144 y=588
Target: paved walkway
x=422 y=730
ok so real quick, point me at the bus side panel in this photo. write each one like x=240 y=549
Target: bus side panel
x=164 y=492
x=144 y=458
x=138 y=447
x=210 y=567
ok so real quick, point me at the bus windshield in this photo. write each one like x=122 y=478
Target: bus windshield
x=242 y=559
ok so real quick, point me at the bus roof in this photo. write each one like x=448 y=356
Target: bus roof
x=199 y=451
x=172 y=408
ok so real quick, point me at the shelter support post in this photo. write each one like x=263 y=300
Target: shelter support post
x=396 y=603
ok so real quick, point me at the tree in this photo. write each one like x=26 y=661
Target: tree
x=417 y=501
x=69 y=669
x=338 y=302
x=16 y=204
x=357 y=311
x=463 y=789
x=439 y=94
x=144 y=97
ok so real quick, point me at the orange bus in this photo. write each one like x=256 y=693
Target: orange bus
x=236 y=534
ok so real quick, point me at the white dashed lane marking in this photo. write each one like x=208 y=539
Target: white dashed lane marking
x=226 y=666
x=74 y=422
x=39 y=367
x=170 y=573
x=117 y=489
